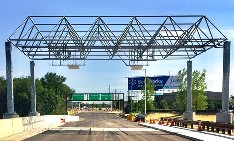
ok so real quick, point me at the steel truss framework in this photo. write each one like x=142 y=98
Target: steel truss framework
x=136 y=40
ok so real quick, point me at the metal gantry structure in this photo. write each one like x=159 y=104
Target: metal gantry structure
x=136 y=40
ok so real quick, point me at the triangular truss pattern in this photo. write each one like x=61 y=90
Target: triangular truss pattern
x=133 y=39
x=99 y=35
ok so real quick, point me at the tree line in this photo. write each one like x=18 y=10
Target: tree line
x=51 y=94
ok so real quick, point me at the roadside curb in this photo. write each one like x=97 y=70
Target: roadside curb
x=173 y=133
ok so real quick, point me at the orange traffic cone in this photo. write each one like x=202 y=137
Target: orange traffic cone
x=150 y=121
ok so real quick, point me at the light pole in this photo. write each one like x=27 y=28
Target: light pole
x=130 y=96
x=145 y=91
x=131 y=100
x=111 y=99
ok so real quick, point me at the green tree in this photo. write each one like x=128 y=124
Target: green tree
x=46 y=99
x=164 y=104
x=149 y=93
x=150 y=104
x=65 y=91
x=199 y=98
x=127 y=109
x=52 y=94
x=141 y=105
x=53 y=81
x=3 y=96
x=211 y=104
x=22 y=95
x=231 y=103
x=181 y=94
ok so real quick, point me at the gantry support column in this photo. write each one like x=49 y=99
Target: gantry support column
x=189 y=114
x=225 y=115
x=10 y=97
x=33 y=91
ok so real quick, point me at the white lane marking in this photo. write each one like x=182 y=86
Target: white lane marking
x=107 y=129
x=137 y=129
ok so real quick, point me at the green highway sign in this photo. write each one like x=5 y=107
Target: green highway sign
x=77 y=96
x=106 y=97
x=94 y=96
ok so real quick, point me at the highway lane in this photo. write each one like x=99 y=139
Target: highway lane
x=101 y=126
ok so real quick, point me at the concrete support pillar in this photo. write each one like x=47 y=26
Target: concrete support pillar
x=10 y=97
x=226 y=75
x=33 y=91
x=189 y=86
x=225 y=115
x=189 y=114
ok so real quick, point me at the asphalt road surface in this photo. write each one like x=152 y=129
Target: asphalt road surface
x=101 y=126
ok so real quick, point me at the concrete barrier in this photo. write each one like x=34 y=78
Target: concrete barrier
x=13 y=126
x=6 y=128
x=31 y=122
x=17 y=125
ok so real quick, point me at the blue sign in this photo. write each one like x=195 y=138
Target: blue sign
x=160 y=82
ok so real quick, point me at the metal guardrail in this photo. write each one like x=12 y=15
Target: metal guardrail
x=225 y=128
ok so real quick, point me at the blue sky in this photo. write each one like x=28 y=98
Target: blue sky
x=96 y=76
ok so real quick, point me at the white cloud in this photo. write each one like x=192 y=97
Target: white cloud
x=229 y=33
